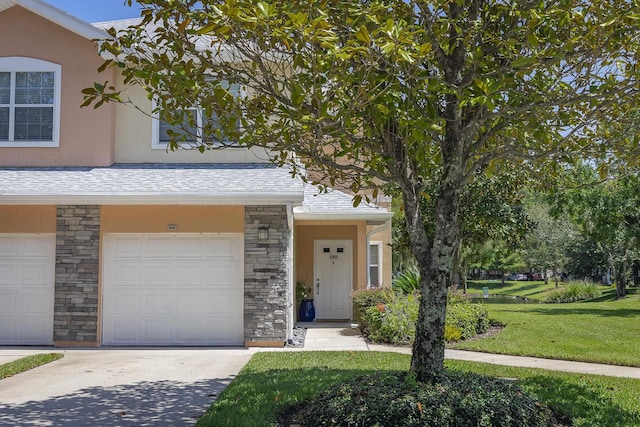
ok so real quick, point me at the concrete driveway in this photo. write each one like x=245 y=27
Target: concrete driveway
x=120 y=387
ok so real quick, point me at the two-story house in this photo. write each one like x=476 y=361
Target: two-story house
x=108 y=239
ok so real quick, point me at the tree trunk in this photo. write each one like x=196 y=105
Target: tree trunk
x=465 y=270
x=621 y=280
x=428 y=347
x=427 y=361
x=555 y=274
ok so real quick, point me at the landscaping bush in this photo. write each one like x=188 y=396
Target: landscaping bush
x=369 y=298
x=407 y=282
x=393 y=322
x=470 y=318
x=452 y=333
x=574 y=291
x=455 y=295
x=387 y=317
x=391 y=399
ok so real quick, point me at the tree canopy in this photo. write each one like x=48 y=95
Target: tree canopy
x=372 y=94
x=607 y=215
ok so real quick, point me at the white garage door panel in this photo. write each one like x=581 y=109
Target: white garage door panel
x=173 y=289
x=27 y=269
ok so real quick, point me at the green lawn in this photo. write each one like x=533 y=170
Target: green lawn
x=604 y=330
x=26 y=363
x=524 y=289
x=272 y=380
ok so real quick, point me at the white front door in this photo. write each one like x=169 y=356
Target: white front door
x=333 y=279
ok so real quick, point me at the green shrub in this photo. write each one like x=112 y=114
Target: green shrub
x=369 y=298
x=574 y=291
x=394 y=322
x=470 y=318
x=407 y=282
x=452 y=333
x=455 y=295
x=482 y=318
x=387 y=317
x=389 y=399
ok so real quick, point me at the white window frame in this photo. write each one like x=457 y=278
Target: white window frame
x=156 y=144
x=16 y=64
x=379 y=251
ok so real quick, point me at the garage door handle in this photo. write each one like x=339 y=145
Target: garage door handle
x=318 y=287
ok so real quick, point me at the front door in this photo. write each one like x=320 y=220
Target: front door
x=333 y=279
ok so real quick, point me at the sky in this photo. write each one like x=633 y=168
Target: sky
x=97 y=10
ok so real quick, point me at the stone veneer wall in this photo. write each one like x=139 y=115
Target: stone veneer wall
x=77 y=274
x=265 y=275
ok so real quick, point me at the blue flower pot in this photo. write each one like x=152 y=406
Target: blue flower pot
x=307 y=311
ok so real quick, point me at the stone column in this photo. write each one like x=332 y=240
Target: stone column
x=265 y=276
x=77 y=276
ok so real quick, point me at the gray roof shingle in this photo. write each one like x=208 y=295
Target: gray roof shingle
x=335 y=204
x=152 y=183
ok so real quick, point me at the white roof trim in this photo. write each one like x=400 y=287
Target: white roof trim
x=153 y=199
x=302 y=214
x=57 y=16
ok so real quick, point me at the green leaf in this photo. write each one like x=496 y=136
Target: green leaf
x=264 y=8
x=363 y=35
x=609 y=21
x=523 y=62
x=297 y=93
x=383 y=109
x=425 y=48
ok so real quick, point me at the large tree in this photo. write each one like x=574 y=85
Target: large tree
x=548 y=244
x=372 y=93
x=608 y=217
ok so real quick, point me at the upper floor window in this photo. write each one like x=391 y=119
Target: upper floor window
x=29 y=102
x=189 y=132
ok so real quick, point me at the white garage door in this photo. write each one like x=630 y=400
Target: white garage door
x=27 y=277
x=173 y=289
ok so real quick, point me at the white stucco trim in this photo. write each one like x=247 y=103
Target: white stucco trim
x=152 y=199
x=300 y=215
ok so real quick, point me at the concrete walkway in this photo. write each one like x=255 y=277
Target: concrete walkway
x=348 y=337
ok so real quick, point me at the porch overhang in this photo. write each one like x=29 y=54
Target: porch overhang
x=336 y=205
x=374 y=218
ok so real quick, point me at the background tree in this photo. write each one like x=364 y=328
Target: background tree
x=492 y=216
x=491 y=211
x=376 y=93
x=608 y=215
x=548 y=244
x=585 y=259
x=495 y=255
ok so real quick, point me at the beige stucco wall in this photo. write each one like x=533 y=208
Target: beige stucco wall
x=86 y=135
x=134 y=138
x=27 y=219
x=306 y=232
x=156 y=219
